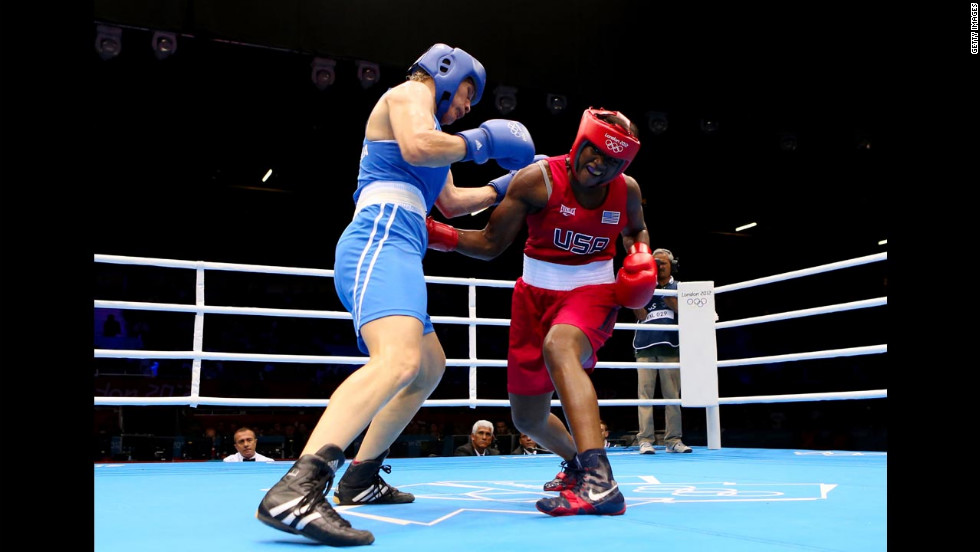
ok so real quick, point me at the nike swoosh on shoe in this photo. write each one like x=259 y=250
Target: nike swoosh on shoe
x=596 y=497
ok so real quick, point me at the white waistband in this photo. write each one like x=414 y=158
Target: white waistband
x=404 y=195
x=560 y=277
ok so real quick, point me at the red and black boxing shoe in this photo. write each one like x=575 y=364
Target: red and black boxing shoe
x=566 y=479
x=593 y=497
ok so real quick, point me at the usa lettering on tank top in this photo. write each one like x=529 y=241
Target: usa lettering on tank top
x=565 y=232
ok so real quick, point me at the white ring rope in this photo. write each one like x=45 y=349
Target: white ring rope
x=877 y=257
x=200 y=309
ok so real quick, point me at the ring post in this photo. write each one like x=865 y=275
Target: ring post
x=699 y=353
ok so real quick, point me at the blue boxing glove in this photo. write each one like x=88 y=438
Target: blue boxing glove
x=501 y=183
x=509 y=142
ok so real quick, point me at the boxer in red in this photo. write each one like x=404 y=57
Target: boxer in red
x=565 y=304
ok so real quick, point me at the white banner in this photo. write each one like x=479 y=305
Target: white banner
x=698 y=348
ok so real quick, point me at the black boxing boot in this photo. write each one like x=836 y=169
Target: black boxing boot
x=298 y=504
x=362 y=484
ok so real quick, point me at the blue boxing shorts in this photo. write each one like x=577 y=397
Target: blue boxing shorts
x=378 y=266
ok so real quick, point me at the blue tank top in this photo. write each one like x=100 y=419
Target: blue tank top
x=382 y=161
x=658 y=313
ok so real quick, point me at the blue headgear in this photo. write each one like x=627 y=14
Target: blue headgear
x=448 y=67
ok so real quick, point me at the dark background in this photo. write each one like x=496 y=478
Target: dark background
x=180 y=145
x=187 y=139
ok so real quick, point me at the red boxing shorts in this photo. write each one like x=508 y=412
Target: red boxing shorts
x=592 y=309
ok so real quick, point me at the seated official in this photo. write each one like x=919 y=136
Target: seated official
x=528 y=446
x=245 y=445
x=480 y=440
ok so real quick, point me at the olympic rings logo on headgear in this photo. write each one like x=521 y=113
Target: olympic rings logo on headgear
x=699 y=302
x=614 y=146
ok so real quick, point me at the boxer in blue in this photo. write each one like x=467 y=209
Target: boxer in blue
x=404 y=172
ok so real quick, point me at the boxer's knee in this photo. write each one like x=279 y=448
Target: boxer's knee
x=430 y=374
x=433 y=362
x=530 y=425
x=565 y=347
x=399 y=370
x=531 y=414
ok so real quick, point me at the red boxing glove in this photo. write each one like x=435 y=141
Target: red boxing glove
x=442 y=237
x=637 y=279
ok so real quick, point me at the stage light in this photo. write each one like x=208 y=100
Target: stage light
x=164 y=44
x=657 y=122
x=862 y=140
x=788 y=141
x=709 y=125
x=368 y=73
x=323 y=72
x=505 y=98
x=108 y=41
x=556 y=103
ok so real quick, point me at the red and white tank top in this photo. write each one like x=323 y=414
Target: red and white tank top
x=565 y=232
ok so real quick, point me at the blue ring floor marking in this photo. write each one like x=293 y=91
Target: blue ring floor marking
x=730 y=499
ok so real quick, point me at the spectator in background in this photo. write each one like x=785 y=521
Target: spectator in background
x=659 y=346
x=480 y=440
x=111 y=327
x=417 y=427
x=224 y=439
x=292 y=445
x=527 y=446
x=604 y=431
x=435 y=446
x=503 y=436
x=211 y=443
x=198 y=445
x=140 y=330
x=245 y=441
x=435 y=431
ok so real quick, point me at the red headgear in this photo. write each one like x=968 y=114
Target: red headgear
x=611 y=139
